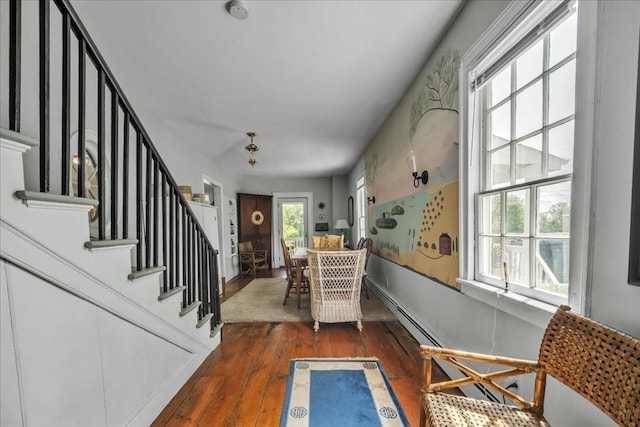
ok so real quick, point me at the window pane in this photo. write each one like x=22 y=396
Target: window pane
x=499 y=168
x=563 y=40
x=500 y=120
x=490 y=262
x=554 y=209
x=562 y=92
x=552 y=265
x=501 y=86
x=491 y=214
x=529 y=65
x=561 y=149
x=529 y=159
x=517 y=219
x=517 y=259
x=529 y=110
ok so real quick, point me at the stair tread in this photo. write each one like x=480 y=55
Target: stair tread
x=18 y=137
x=189 y=308
x=54 y=198
x=164 y=295
x=204 y=320
x=145 y=272
x=97 y=244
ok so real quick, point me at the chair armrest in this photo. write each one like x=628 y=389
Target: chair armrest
x=443 y=353
x=452 y=357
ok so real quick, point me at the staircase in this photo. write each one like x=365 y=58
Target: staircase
x=84 y=340
x=109 y=296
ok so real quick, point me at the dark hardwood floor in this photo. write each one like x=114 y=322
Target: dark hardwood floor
x=242 y=382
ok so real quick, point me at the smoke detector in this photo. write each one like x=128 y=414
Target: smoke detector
x=238 y=9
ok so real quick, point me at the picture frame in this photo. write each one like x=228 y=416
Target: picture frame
x=350 y=218
x=634 y=235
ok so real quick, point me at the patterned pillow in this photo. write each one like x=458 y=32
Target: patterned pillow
x=334 y=241
x=319 y=242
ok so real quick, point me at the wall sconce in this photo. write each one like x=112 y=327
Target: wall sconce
x=371 y=200
x=417 y=178
x=252 y=148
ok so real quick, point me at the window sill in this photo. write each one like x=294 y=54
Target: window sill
x=528 y=309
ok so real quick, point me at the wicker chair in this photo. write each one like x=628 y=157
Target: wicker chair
x=251 y=260
x=336 y=277
x=599 y=363
x=291 y=273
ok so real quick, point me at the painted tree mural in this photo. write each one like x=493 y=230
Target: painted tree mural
x=440 y=89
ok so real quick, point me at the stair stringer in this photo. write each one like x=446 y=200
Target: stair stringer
x=91 y=292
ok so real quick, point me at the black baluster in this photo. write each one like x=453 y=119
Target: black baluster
x=82 y=96
x=185 y=281
x=173 y=277
x=216 y=292
x=66 y=103
x=147 y=241
x=114 y=164
x=188 y=265
x=15 y=63
x=139 y=199
x=125 y=175
x=101 y=156
x=165 y=260
x=44 y=95
x=156 y=213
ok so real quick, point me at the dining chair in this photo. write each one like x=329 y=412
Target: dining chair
x=368 y=245
x=335 y=279
x=290 y=268
x=251 y=260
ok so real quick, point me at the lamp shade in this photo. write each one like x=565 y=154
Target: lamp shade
x=341 y=224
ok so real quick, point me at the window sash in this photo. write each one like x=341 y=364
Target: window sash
x=489 y=67
x=496 y=252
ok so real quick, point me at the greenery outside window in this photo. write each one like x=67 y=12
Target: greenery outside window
x=526 y=111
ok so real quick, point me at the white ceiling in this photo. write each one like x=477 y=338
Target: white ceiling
x=314 y=79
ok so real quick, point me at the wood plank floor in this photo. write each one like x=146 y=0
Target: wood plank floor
x=242 y=382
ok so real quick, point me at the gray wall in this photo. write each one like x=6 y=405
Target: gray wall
x=460 y=321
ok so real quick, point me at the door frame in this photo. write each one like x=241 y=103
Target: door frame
x=222 y=220
x=276 y=249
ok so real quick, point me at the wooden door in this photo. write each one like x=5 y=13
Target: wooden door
x=255 y=221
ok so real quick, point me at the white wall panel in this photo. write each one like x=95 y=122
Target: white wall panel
x=10 y=403
x=59 y=354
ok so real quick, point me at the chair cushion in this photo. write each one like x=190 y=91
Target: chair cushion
x=319 y=242
x=451 y=410
x=334 y=241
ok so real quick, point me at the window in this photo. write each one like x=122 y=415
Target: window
x=361 y=209
x=523 y=121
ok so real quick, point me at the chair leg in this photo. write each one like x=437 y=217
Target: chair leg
x=359 y=325
x=286 y=295
x=364 y=287
x=423 y=416
x=316 y=326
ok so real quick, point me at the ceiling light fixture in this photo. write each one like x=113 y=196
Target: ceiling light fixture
x=238 y=9
x=252 y=148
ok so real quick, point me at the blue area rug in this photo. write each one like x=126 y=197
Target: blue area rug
x=340 y=392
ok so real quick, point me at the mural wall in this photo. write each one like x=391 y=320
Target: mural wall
x=418 y=227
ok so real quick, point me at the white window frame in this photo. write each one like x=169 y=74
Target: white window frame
x=361 y=209
x=517 y=19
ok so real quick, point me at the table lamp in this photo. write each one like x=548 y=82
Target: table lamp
x=341 y=224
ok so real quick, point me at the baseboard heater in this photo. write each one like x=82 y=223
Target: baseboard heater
x=484 y=390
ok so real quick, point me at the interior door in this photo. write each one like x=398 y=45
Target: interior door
x=293 y=223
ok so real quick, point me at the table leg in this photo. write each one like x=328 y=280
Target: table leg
x=298 y=281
